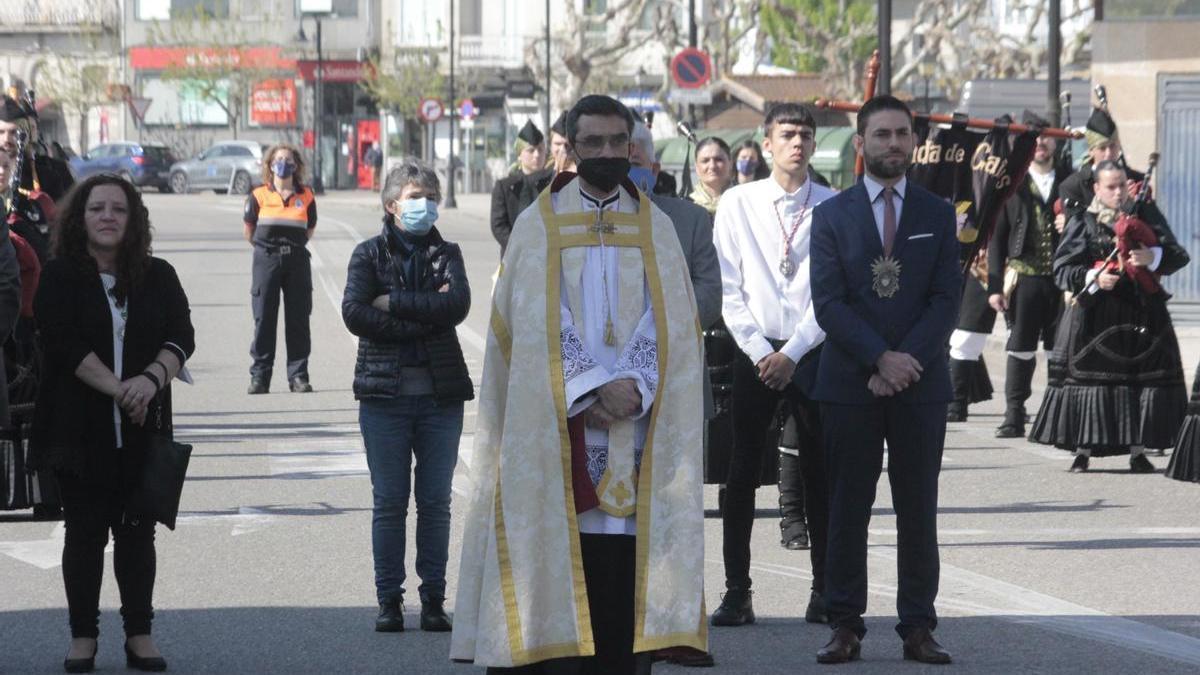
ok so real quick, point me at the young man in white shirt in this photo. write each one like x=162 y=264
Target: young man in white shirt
x=762 y=235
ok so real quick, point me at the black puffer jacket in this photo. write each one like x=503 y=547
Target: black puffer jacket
x=420 y=316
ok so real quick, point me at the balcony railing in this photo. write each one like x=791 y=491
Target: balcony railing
x=502 y=51
x=59 y=14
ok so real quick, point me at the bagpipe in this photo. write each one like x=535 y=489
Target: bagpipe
x=29 y=206
x=1131 y=233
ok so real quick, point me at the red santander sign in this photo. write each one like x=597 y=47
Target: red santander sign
x=273 y=103
x=334 y=71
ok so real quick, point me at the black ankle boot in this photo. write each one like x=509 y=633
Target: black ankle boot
x=736 y=608
x=433 y=616
x=391 y=617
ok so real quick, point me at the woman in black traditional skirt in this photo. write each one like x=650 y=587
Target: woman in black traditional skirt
x=1185 y=461
x=1115 y=378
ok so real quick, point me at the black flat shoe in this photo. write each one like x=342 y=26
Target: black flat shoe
x=84 y=665
x=1080 y=464
x=149 y=664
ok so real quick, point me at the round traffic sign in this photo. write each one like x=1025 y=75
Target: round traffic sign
x=430 y=109
x=467 y=109
x=691 y=68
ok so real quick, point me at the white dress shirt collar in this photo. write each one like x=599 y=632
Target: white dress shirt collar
x=874 y=187
x=775 y=192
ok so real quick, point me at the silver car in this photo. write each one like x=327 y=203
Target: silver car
x=228 y=166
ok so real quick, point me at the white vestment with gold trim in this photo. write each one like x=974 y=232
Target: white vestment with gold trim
x=521 y=594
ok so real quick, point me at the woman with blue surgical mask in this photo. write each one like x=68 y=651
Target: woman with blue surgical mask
x=406 y=290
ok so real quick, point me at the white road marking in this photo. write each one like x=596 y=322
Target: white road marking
x=45 y=553
x=248 y=519
x=974 y=594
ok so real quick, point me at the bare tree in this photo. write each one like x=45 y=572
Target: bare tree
x=587 y=45
x=78 y=83
x=399 y=86
x=960 y=37
x=217 y=69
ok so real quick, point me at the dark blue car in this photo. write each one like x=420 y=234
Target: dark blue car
x=142 y=165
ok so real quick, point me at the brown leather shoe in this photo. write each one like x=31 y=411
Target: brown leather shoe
x=843 y=647
x=920 y=646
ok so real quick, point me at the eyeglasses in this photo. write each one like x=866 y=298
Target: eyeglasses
x=597 y=143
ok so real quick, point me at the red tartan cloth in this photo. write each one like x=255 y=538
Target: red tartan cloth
x=581 y=480
x=1133 y=233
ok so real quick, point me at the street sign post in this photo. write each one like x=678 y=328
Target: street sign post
x=467 y=109
x=690 y=96
x=430 y=109
x=691 y=68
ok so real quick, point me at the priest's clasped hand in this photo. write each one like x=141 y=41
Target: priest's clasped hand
x=621 y=398
x=617 y=400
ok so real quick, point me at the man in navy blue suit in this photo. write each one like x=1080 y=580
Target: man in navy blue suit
x=886 y=285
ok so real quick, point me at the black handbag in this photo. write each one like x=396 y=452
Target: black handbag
x=161 y=483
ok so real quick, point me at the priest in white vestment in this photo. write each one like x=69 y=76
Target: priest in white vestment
x=583 y=549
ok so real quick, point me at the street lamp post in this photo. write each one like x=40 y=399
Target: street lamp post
x=451 y=202
x=318 y=182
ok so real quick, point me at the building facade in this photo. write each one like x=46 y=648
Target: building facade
x=68 y=52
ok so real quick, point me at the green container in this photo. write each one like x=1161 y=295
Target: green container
x=834 y=156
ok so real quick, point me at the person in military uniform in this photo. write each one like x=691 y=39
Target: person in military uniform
x=280 y=217
x=513 y=193
x=1021 y=276
x=1103 y=145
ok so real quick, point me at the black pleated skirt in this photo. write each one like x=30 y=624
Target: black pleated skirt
x=1185 y=461
x=1114 y=378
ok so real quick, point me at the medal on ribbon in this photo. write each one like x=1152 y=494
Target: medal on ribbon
x=885 y=276
x=787 y=268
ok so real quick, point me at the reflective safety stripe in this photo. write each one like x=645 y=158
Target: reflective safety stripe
x=273 y=211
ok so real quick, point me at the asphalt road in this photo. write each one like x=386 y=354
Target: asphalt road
x=270 y=569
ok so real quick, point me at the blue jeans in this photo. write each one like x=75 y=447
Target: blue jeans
x=394 y=431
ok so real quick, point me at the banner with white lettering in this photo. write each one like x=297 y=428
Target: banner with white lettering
x=974 y=171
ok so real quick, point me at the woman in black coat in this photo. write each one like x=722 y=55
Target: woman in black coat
x=115 y=328
x=406 y=290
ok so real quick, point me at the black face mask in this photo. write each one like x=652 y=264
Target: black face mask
x=604 y=173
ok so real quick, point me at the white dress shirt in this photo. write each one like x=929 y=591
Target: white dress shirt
x=873 y=189
x=1044 y=183
x=758 y=302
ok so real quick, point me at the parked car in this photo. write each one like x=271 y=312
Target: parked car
x=142 y=165
x=228 y=166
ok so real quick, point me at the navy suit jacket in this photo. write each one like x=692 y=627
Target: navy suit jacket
x=860 y=325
